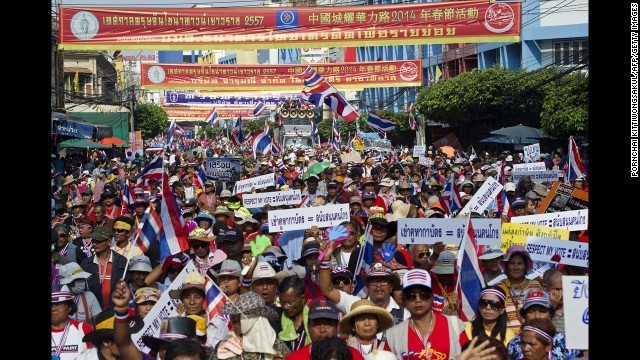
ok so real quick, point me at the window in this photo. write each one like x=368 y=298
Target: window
x=570 y=52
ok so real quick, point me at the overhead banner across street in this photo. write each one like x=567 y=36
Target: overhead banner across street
x=93 y=28
x=344 y=76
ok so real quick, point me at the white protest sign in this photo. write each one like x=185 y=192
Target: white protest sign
x=575 y=295
x=536 y=166
x=532 y=153
x=258 y=182
x=448 y=231
x=483 y=197
x=419 y=150
x=561 y=251
x=573 y=220
x=536 y=176
x=538 y=269
x=305 y=218
x=164 y=308
x=274 y=198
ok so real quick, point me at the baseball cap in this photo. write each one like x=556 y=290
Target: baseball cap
x=445 y=263
x=323 y=309
x=536 y=297
x=490 y=252
x=416 y=277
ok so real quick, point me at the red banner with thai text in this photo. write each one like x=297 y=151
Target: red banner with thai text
x=344 y=76
x=93 y=28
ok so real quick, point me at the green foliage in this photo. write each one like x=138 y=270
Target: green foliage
x=485 y=96
x=257 y=124
x=151 y=119
x=565 y=110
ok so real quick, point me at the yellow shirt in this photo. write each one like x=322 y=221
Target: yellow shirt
x=135 y=251
x=508 y=335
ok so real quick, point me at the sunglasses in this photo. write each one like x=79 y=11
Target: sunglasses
x=94 y=241
x=63 y=235
x=119 y=230
x=495 y=305
x=109 y=197
x=422 y=255
x=413 y=296
x=198 y=245
x=384 y=229
x=342 y=282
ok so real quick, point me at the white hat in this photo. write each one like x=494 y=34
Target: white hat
x=509 y=158
x=416 y=277
x=86 y=172
x=72 y=271
x=376 y=354
x=173 y=179
x=140 y=263
x=509 y=187
x=263 y=271
x=490 y=252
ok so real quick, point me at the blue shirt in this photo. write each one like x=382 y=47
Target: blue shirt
x=559 y=350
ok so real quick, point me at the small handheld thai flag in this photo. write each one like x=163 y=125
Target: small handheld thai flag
x=127 y=196
x=575 y=168
x=469 y=278
x=214 y=297
x=174 y=238
x=153 y=170
x=149 y=229
x=259 y=109
x=412 y=121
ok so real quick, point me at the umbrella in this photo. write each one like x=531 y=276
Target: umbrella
x=520 y=131
x=501 y=139
x=82 y=144
x=448 y=150
x=111 y=141
x=316 y=168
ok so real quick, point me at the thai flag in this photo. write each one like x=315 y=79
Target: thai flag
x=470 y=281
x=575 y=169
x=153 y=170
x=213 y=119
x=174 y=238
x=379 y=123
x=149 y=229
x=236 y=135
x=321 y=91
x=451 y=200
x=261 y=142
x=336 y=135
x=365 y=260
x=202 y=175
x=178 y=130
x=266 y=127
x=314 y=129
x=172 y=128
x=306 y=201
x=275 y=148
x=127 y=196
x=214 y=299
x=412 y=121
x=259 y=109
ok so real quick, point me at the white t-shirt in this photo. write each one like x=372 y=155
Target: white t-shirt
x=73 y=345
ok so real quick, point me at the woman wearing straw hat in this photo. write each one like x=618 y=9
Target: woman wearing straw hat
x=251 y=337
x=361 y=325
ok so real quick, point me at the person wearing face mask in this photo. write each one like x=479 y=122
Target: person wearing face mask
x=75 y=278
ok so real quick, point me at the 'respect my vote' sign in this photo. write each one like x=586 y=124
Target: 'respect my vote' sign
x=448 y=231
x=573 y=220
x=305 y=218
x=560 y=251
x=275 y=198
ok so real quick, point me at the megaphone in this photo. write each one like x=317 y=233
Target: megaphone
x=284 y=113
x=311 y=113
x=293 y=113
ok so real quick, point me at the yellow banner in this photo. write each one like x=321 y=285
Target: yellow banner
x=516 y=234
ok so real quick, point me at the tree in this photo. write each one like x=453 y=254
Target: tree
x=565 y=110
x=258 y=124
x=151 y=119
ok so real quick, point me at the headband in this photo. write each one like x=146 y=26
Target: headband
x=536 y=330
x=494 y=292
x=122 y=225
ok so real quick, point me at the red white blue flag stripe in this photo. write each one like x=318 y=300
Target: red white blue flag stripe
x=469 y=278
x=214 y=299
x=174 y=238
x=379 y=123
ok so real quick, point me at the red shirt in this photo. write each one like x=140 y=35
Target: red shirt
x=304 y=353
x=439 y=340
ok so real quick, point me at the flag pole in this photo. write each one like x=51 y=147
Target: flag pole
x=461 y=250
x=135 y=239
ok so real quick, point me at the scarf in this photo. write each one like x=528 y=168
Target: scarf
x=258 y=336
x=288 y=332
x=230 y=347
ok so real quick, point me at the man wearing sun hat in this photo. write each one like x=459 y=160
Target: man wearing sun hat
x=489 y=259
x=66 y=333
x=204 y=258
x=102 y=337
x=445 y=335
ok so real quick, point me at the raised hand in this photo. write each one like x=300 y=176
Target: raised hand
x=258 y=246
x=336 y=233
x=121 y=294
x=388 y=250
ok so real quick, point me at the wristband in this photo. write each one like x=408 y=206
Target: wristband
x=120 y=309
x=246 y=282
x=121 y=315
x=325 y=265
